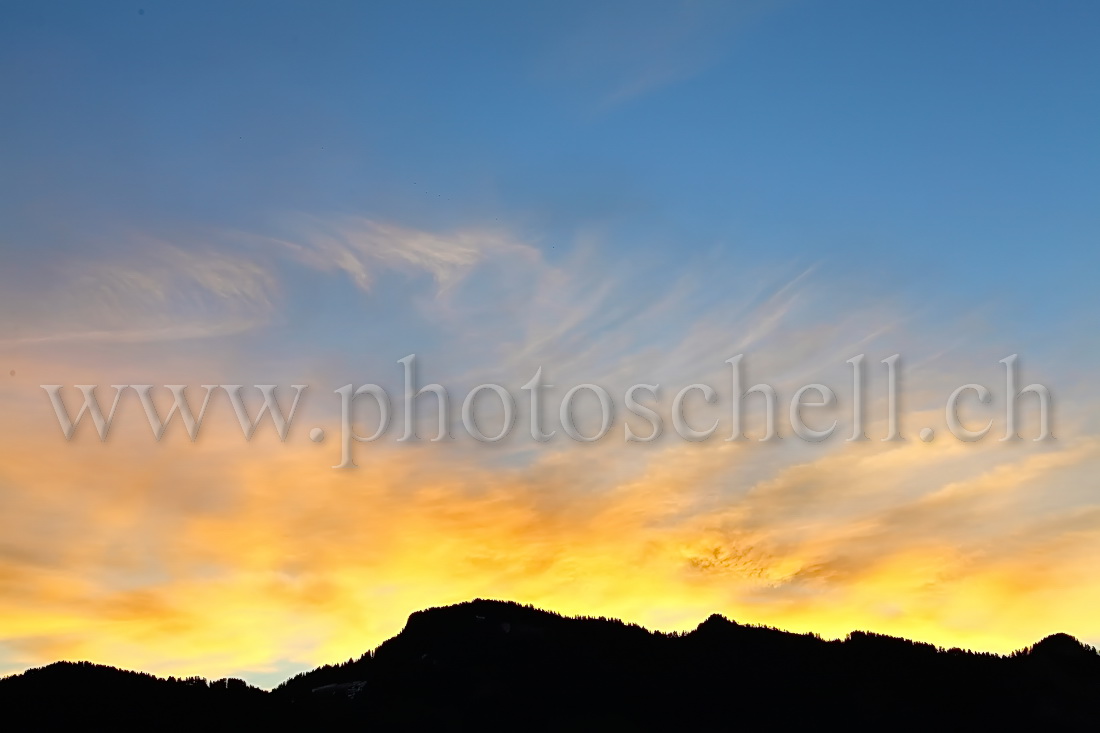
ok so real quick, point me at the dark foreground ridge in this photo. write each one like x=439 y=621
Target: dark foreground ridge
x=491 y=665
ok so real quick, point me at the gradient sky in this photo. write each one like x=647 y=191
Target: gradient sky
x=304 y=193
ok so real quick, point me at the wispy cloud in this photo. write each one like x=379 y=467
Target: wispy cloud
x=145 y=290
x=220 y=558
x=620 y=55
x=361 y=247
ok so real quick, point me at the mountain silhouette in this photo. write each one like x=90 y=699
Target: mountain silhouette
x=495 y=665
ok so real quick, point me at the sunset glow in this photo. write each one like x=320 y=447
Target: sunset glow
x=265 y=194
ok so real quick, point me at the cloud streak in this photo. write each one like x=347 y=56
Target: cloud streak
x=150 y=290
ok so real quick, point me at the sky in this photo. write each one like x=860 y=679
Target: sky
x=616 y=193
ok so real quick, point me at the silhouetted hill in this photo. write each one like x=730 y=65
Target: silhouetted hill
x=81 y=694
x=498 y=665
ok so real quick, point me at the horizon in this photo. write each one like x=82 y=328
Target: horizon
x=269 y=685
x=313 y=316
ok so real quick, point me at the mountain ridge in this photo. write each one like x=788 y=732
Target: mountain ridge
x=500 y=664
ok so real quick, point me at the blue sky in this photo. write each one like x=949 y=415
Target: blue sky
x=951 y=142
